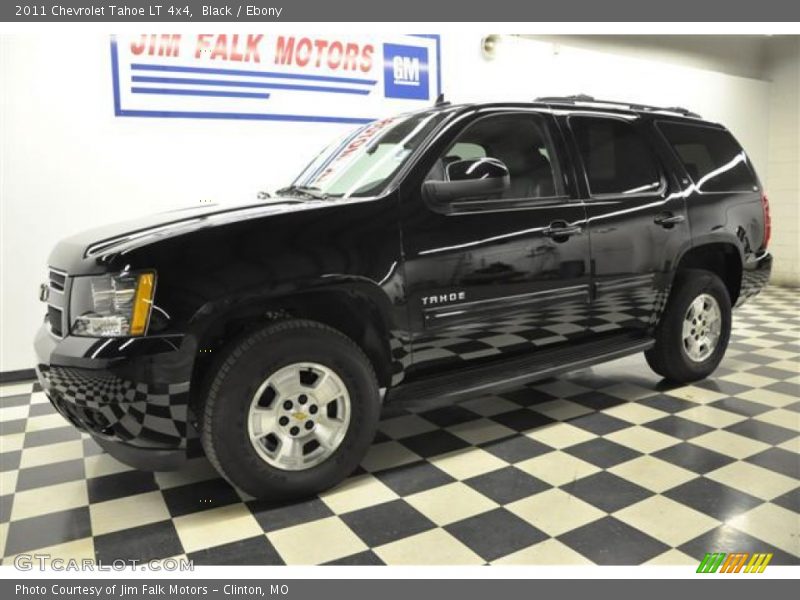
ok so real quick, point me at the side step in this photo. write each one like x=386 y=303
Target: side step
x=505 y=375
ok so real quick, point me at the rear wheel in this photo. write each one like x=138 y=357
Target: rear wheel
x=694 y=330
x=291 y=411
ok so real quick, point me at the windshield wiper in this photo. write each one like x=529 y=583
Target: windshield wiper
x=302 y=190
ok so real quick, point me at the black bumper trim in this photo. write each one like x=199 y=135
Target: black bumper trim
x=15 y=376
x=144 y=459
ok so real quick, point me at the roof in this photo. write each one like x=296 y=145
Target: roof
x=584 y=101
x=580 y=102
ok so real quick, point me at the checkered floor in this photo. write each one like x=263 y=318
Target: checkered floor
x=606 y=466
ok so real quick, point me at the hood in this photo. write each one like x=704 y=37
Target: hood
x=100 y=242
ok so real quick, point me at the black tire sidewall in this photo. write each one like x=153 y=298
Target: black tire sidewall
x=248 y=366
x=690 y=284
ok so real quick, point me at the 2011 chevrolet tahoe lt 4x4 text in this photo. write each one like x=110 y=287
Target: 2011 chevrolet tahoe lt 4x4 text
x=421 y=259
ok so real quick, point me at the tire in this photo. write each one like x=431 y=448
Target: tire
x=682 y=360
x=250 y=366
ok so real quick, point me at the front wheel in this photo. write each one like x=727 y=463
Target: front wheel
x=291 y=411
x=694 y=330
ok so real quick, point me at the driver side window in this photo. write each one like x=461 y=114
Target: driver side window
x=466 y=151
x=520 y=142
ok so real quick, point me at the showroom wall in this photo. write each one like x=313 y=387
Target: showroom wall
x=782 y=171
x=69 y=164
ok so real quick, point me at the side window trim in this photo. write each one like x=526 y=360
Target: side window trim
x=580 y=165
x=507 y=204
x=550 y=130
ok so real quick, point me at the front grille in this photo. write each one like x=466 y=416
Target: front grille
x=58 y=284
x=57 y=280
x=56 y=318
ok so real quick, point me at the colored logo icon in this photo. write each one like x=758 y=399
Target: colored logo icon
x=736 y=562
x=405 y=72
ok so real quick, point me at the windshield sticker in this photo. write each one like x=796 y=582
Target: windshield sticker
x=340 y=160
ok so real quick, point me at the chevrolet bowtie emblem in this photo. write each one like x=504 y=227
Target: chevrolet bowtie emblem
x=300 y=416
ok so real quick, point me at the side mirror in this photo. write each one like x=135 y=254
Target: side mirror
x=475 y=179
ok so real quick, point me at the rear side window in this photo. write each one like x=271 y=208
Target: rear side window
x=712 y=157
x=616 y=158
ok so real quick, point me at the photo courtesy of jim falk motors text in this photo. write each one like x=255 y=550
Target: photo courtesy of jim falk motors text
x=280 y=294
x=125 y=590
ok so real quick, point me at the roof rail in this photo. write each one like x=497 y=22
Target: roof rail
x=586 y=99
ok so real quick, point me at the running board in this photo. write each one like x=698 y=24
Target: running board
x=505 y=375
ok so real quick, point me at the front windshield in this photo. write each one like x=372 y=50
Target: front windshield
x=363 y=162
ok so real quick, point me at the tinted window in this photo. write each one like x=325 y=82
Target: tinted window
x=466 y=151
x=712 y=157
x=616 y=158
x=521 y=142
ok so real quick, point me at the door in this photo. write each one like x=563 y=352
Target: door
x=636 y=219
x=496 y=276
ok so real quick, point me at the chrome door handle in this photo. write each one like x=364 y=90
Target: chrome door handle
x=667 y=220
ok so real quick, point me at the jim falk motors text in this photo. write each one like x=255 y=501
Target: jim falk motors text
x=334 y=53
x=229 y=589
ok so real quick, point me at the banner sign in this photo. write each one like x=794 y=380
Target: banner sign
x=328 y=78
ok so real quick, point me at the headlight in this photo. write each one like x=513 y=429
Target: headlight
x=112 y=305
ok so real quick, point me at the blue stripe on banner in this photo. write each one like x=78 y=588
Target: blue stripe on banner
x=183 y=114
x=269 y=74
x=179 y=92
x=115 y=75
x=250 y=84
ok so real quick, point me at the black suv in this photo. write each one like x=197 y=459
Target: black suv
x=421 y=259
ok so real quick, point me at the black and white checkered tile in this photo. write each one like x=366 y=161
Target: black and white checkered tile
x=605 y=466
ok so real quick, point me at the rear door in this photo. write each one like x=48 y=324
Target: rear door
x=637 y=222
x=496 y=277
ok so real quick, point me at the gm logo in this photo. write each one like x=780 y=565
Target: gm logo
x=405 y=72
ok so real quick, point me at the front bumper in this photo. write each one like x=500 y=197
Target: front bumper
x=131 y=395
x=755 y=275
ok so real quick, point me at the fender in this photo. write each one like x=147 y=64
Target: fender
x=720 y=236
x=358 y=307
